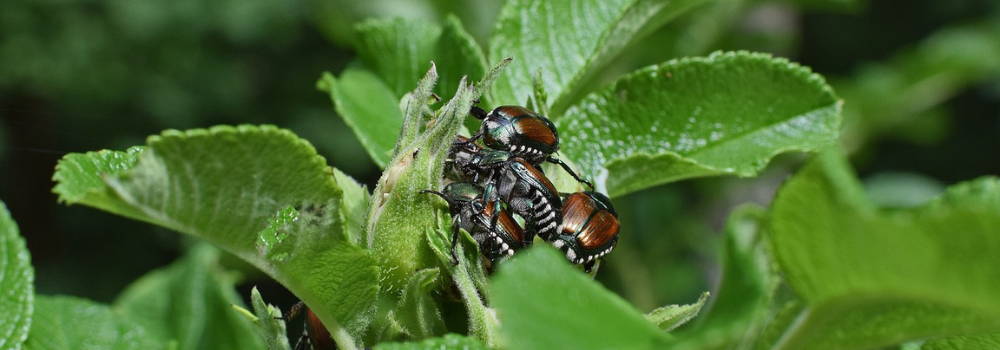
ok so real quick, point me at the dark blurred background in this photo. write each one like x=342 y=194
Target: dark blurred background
x=920 y=83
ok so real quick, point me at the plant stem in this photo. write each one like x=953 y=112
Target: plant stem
x=482 y=320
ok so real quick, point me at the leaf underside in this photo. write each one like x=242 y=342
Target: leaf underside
x=672 y=316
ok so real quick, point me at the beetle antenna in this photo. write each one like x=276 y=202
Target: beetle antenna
x=477 y=112
x=570 y=171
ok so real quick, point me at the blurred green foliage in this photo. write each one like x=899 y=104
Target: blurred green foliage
x=920 y=84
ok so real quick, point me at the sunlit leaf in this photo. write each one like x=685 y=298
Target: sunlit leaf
x=16 y=283
x=261 y=193
x=566 y=42
x=728 y=113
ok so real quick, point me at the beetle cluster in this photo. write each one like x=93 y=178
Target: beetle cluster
x=493 y=184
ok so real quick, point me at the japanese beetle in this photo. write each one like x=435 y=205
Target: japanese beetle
x=314 y=334
x=529 y=194
x=467 y=160
x=510 y=179
x=523 y=133
x=589 y=228
x=492 y=226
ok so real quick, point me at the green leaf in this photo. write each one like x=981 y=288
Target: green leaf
x=728 y=113
x=747 y=286
x=566 y=42
x=873 y=278
x=355 y=198
x=398 y=50
x=82 y=178
x=672 y=316
x=190 y=303
x=418 y=312
x=16 y=282
x=261 y=193
x=63 y=322
x=782 y=316
x=971 y=342
x=457 y=55
x=447 y=342
x=544 y=303
x=368 y=107
x=337 y=19
x=269 y=321
x=901 y=190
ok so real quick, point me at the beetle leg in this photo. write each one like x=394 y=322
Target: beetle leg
x=472 y=139
x=477 y=112
x=569 y=170
x=495 y=215
x=303 y=342
x=493 y=221
x=506 y=185
x=589 y=266
x=529 y=234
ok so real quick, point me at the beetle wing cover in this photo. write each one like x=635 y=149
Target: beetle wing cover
x=602 y=228
x=318 y=334
x=536 y=130
x=506 y=223
x=581 y=207
x=539 y=176
x=514 y=111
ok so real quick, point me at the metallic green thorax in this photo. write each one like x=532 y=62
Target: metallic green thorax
x=462 y=191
